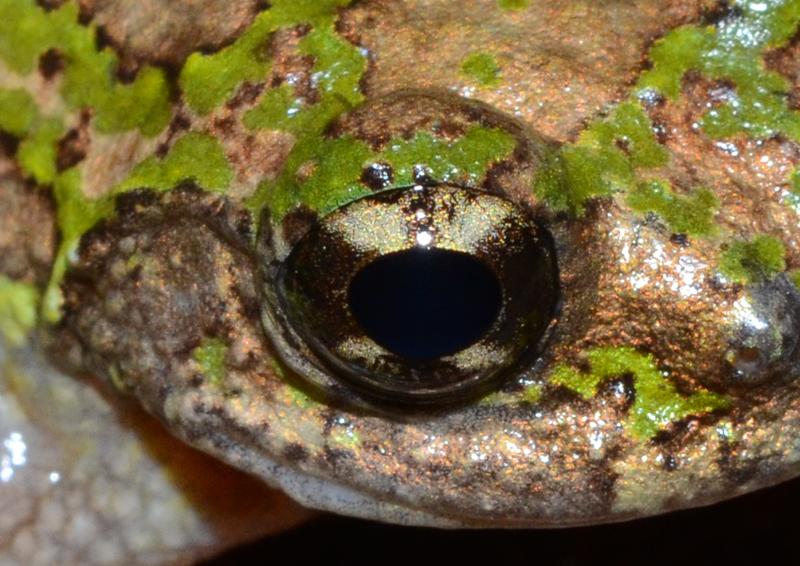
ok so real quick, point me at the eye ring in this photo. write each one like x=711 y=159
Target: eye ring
x=314 y=317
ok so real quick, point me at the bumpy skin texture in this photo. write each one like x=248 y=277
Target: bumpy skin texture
x=665 y=172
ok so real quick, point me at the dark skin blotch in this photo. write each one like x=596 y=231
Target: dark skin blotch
x=297 y=223
x=50 y=5
x=8 y=144
x=247 y=95
x=377 y=176
x=681 y=240
x=179 y=124
x=720 y=12
x=131 y=202
x=295 y=452
x=73 y=147
x=51 y=63
x=336 y=457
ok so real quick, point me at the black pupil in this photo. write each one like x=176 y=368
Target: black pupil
x=425 y=303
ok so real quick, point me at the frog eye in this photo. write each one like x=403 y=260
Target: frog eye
x=419 y=295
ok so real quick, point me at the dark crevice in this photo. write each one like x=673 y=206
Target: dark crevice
x=719 y=13
x=51 y=63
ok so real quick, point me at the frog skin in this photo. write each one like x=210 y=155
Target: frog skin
x=161 y=169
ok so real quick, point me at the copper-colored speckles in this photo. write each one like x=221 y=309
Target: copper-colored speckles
x=165 y=32
x=749 y=177
x=657 y=296
x=493 y=464
x=173 y=273
x=110 y=159
x=120 y=296
x=290 y=66
x=558 y=66
x=255 y=157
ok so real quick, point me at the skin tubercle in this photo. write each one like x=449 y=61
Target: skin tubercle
x=665 y=175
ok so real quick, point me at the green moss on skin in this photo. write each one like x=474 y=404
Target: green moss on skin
x=465 y=159
x=338 y=163
x=339 y=65
x=18 y=308
x=38 y=135
x=194 y=156
x=483 y=68
x=761 y=258
x=17 y=111
x=691 y=214
x=334 y=181
x=606 y=159
x=210 y=356
x=38 y=151
x=208 y=80
x=733 y=51
x=657 y=402
x=513 y=5
x=27 y=31
x=75 y=214
x=337 y=166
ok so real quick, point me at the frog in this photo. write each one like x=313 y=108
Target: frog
x=195 y=192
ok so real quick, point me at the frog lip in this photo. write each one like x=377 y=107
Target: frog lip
x=307 y=295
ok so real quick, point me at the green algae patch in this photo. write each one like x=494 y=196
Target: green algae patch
x=513 y=5
x=482 y=68
x=75 y=215
x=194 y=156
x=277 y=109
x=334 y=180
x=337 y=165
x=532 y=393
x=629 y=132
x=38 y=135
x=334 y=166
x=339 y=66
x=210 y=356
x=761 y=258
x=657 y=402
x=208 y=80
x=17 y=111
x=89 y=81
x=37 y=153
x=606 y=159
x=733 y=51
x=465 y=159
x=18 y=310
x=691 y=214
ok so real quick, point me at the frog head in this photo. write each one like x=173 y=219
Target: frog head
x=641 y=322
